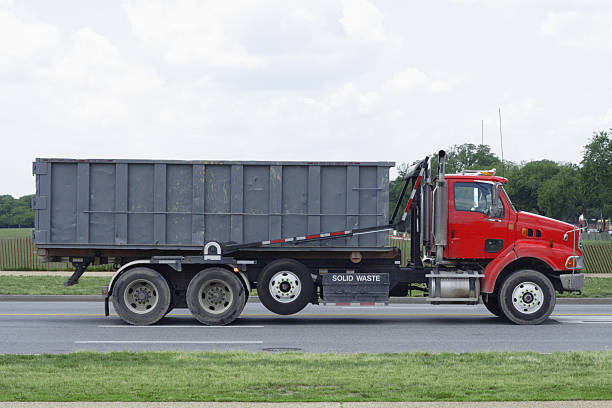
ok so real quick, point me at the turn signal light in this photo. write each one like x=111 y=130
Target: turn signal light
x=236 y=270
x=574 y=262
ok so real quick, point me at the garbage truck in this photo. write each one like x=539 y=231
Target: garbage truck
x=202 y=234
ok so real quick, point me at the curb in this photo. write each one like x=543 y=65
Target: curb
x=252 y=299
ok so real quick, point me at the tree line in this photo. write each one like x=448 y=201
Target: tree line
x=16 y=212
x=554 y=189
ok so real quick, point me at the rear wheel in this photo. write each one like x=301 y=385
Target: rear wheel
x=491 y=302
x=215 y=296
x=527 y=297
x=141 y=296
x=285 y=286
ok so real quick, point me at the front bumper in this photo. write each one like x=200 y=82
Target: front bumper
x=572 y=281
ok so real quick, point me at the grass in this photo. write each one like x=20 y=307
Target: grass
x=51 y=285
x=593 y=287
x=15 y=232
x=92 y=285
x=243 y=376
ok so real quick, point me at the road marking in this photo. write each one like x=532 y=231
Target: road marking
x=600 y=319
x=55 y=314
x=166 y=342
x=105 y=326
x=377 y=307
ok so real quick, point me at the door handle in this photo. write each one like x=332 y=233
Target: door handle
x=493 y=220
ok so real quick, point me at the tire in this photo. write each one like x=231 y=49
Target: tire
x=141 y=296
x=492 y=304
x=285 y=286
x=215 y=296
x=527 y=297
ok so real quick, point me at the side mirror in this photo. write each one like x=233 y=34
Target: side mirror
x=495 y=203
x=582 y=220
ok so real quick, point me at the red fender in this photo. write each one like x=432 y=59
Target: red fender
x=494 y=268
x=554 y=257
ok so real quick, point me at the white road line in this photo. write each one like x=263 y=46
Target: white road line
x=166 y=342
x=583 y=319
x=107 y=326
x=375 y=307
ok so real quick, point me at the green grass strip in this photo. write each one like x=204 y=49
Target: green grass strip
x=243 y=376
x=51 y=285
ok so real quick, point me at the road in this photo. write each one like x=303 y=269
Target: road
x=59 y=327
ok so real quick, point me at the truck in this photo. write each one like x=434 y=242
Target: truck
x=202 y=234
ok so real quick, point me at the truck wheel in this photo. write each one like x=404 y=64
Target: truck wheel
x=285 y=286
x=492 y=304
x=215 y=296
x=527 y=297
x=141 y=296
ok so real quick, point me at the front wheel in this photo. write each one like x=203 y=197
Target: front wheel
x=527 y=297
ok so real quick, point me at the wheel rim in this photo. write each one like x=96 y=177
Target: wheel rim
x=527 y=297
x=141 y=296
x=215 y=296
x=285 y=286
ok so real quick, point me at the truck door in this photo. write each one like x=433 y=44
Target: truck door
x=477 y=221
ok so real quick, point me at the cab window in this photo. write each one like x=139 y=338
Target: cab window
x=478 y=197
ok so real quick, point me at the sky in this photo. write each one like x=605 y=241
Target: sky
x=341 y=80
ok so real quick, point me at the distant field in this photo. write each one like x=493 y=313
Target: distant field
x=15 y=232
x=600 y=242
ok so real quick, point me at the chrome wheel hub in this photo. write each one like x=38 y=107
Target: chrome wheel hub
x=527 y=297
x=285 y=286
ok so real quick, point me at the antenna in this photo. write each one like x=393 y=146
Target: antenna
x=501 y=140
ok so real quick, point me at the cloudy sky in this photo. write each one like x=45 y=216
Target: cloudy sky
x=351 y=80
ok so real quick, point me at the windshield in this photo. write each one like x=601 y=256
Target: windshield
x=508 y=198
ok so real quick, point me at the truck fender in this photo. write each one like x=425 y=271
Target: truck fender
x=495 y=267
x=125 y=267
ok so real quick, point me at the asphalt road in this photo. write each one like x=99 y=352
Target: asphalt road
x=59 y=327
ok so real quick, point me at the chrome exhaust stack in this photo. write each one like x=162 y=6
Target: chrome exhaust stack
x=440 y=199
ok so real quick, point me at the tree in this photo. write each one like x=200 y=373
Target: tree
x=395 y=189
x=16 y=213
x=596 y=173
x=471 y=157
x=560 y=196
x=526 y=181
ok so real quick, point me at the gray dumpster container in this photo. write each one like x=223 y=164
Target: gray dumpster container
x=180 y=205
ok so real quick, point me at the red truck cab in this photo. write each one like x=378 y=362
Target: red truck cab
x=485 y=230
